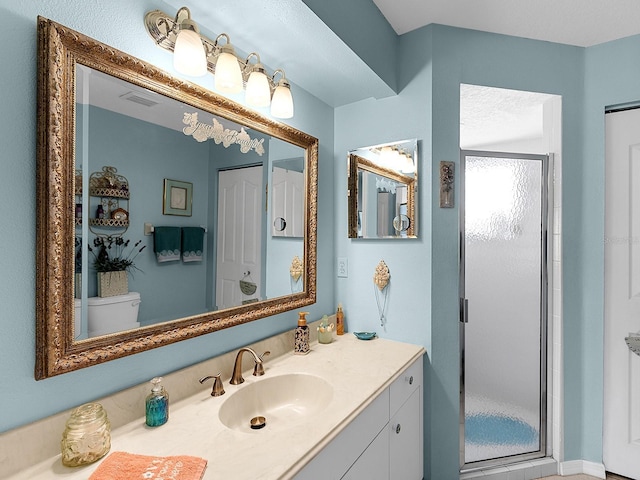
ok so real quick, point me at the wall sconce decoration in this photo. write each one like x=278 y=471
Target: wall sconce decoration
x=381 y=279
x=195 y=54
x=296 y=270
x=447 y=177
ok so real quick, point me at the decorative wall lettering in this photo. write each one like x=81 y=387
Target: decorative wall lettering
x=202 y=131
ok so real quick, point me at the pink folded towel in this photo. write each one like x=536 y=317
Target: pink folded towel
x=126 y=466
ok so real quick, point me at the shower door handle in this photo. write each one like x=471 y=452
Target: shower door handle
x=464 y=310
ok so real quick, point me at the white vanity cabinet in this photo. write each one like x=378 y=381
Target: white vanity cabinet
x=384 y=442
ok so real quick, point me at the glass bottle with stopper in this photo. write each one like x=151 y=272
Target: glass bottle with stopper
x=157 y=404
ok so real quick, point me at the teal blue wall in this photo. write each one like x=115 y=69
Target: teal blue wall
x=24 y=399
x=362 y=26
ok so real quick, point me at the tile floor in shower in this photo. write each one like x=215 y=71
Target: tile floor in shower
x=610 y=476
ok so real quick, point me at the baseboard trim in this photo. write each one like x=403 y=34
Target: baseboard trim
x=575 y=467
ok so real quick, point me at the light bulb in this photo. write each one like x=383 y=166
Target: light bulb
x=228 y=77
x=282 y=102
x=188 y=54
x=258 y=93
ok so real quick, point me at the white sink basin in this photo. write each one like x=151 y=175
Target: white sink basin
x=282 y=400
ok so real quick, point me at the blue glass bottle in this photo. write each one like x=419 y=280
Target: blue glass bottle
x=157 y=404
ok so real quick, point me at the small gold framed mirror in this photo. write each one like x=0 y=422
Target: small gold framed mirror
x=382 y=191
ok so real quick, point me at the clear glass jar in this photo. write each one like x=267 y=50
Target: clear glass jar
x=87 y=436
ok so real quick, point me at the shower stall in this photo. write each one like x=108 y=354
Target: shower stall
x=503 y=308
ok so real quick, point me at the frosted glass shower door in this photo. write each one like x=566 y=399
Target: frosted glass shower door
x=503 y=307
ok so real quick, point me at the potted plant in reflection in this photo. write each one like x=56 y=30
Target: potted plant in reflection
x=112 y=262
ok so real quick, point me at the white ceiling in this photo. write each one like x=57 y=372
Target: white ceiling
x=573 y=22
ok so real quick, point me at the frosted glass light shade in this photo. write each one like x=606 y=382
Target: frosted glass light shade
x=258 y=93
x=282 y=102
x=228 y=77
x=188 y=54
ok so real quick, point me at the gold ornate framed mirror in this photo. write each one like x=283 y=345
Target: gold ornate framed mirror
x=65 y=58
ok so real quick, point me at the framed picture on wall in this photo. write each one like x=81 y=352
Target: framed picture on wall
x=177 y=198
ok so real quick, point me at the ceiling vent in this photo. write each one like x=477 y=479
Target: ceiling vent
x=140 y=98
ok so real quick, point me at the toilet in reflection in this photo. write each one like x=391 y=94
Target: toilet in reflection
x=113 y=314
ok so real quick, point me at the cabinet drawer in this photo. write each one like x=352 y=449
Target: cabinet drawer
x=403 y=386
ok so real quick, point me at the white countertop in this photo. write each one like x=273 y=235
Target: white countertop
x=357 y=370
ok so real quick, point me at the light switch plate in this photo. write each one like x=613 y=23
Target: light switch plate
x=343 y=267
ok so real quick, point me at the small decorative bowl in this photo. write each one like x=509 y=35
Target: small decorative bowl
x=365 y=335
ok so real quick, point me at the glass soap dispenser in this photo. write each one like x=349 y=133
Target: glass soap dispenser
x=157 y=404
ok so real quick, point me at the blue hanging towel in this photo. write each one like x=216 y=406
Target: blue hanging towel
x=192 y=244
x=166 y=243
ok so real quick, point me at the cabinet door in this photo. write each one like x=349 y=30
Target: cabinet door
x=342 y=452
x=373 y=464
x=405 y=444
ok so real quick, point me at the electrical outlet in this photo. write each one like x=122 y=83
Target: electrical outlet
x=343 y=267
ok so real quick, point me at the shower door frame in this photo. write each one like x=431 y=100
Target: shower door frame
x=544 y=310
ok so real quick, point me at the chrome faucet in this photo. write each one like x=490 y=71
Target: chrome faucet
x=258 y=369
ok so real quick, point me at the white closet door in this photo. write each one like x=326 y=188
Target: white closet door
x=622 y=294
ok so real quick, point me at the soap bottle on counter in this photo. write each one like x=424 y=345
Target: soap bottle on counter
x=157 y=404
x=340 y=320
x=301 y=342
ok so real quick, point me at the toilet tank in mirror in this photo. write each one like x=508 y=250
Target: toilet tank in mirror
x=191 y=216
x=382 y=191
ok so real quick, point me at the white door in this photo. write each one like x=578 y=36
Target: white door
x=622 y=294
x=287 y=218
x=238 y=236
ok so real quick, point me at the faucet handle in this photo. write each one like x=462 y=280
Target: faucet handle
x=218 y=388
x=258 y=368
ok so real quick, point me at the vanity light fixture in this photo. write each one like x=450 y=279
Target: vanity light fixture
x=195 y=54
